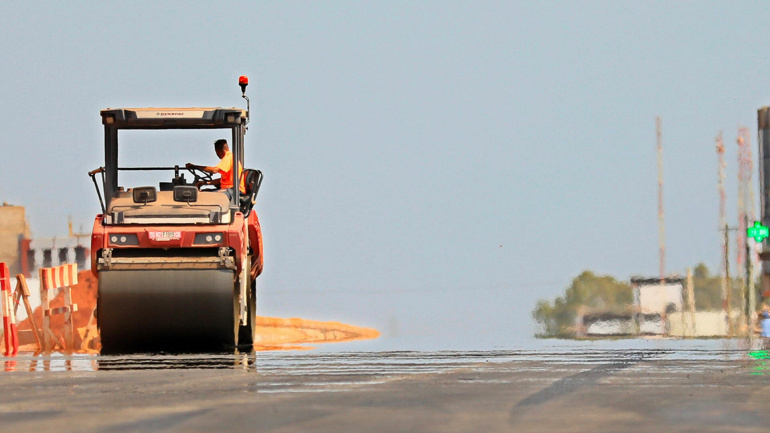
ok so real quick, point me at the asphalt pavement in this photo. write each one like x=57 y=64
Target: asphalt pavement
x=572 y=390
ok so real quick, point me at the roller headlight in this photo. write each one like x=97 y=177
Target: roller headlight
x=124 y=239
x=208 y=238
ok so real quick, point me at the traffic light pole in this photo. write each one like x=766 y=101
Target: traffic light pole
x=759 y=232
x=748 y=286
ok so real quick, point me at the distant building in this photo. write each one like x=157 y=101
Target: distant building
x=701 y=323
x=13 y=228
x=652 y=324
x=620 y=324
x=606 y=324
x=24 y=255
x=651 y=295
x=655 y=300
x=48 y=252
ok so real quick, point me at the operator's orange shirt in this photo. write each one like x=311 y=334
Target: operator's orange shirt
x=226 y=171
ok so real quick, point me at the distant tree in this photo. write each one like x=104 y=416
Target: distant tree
x=591 y=292
x=708 y=289
x=587 y=291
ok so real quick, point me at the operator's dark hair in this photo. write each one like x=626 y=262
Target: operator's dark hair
x=220 y=144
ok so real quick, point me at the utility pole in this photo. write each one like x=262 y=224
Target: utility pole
x=749 y=299
x=661 y=223
x=690 y=331
x=751 y=293
x=746 y=214
x=725 y=238
x=747 y=169
x=741 y=238
x=726 y=286
x=763 y=162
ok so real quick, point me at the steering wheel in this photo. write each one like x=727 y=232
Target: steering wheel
x=199 y=174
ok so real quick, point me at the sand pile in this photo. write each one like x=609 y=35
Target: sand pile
x=273 y=333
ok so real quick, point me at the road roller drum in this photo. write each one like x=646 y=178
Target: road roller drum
x=168 y=310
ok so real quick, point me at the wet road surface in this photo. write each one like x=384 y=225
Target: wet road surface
x=569 y=391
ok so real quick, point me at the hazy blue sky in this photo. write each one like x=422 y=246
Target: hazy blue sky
x=431 y=168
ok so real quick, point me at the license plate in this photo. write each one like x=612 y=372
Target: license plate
x=165 y=236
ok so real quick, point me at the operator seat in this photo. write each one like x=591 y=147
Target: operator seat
x=253 y=180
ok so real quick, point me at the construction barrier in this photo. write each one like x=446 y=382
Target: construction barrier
x=10 y=332
x=61 y=277
x=22 y=293
x=90 y=334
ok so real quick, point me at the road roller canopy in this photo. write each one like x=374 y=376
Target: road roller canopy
x=157 y=118
x=173 y=118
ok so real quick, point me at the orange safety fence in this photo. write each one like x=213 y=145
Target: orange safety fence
x=10 y=300
x=86 y=338
x=10 y=333
x=60 y=277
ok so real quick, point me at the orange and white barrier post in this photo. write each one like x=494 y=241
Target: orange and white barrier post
x=22 y=294
x=10 y=332
x=61 y=277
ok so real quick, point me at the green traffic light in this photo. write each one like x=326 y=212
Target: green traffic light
x=758 y=231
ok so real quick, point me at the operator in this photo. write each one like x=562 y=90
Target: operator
x=224 y=168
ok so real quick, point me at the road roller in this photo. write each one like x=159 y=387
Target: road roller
x=176 y=263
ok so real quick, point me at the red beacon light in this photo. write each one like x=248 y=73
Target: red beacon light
x=243 y=81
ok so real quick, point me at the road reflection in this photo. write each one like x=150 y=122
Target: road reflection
x=753 y=356
x=89 y=362
x=760 y=358
x=224 y=361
